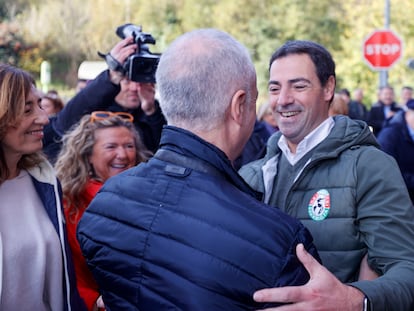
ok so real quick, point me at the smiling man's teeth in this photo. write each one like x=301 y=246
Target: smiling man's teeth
x=289 y=114
x=118 y=165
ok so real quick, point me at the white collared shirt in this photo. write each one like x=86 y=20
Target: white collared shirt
x=269 y=169
x=308 y=143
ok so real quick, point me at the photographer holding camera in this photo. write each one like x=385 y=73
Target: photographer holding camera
x=113 y=90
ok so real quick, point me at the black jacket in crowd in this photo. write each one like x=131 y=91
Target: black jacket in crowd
x=376 y=118
x=100 y=94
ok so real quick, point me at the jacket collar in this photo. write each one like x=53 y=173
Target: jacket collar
x=188 y=144
x=43 y=172
x=344 y=134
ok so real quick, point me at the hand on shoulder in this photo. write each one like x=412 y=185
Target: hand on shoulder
x=322 y=292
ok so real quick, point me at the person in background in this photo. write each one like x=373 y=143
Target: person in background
x=189 y=234
x=52 y=103
x=330 y=173
x=406 y=95
x=356 y=107
x=265 y=114
x=80 y=85
x=338 y=106
x=111 y=91
x=397 y=139
x=36 y=271
x=346 y=96
x=100 y=146
x=383 y=110
x=255 y=147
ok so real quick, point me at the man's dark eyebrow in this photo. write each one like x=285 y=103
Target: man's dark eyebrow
x=292 y=81
x=299 y=80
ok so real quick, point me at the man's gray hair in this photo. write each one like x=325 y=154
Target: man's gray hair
x=198 y=75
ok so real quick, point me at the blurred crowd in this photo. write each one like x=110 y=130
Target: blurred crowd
x=184 y=195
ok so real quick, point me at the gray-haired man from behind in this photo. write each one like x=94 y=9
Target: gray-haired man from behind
x=184 y=231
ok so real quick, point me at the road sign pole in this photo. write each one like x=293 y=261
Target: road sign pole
x=383 y=48
x=383 y=78
x=383 y=74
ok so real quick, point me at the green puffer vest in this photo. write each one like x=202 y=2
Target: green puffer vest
x=334 y=178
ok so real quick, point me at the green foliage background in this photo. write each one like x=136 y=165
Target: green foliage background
x=66 y=32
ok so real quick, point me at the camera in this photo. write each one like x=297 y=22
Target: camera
x=141 y=66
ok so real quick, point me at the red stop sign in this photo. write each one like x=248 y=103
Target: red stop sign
x=382 y=49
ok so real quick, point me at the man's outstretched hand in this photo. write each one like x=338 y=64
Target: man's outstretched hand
x=322 y=292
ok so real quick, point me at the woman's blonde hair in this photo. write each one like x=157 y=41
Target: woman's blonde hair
x=72 y=165
x=15 y=86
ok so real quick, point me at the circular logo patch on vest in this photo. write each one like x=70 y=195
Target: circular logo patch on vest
x=319 y=205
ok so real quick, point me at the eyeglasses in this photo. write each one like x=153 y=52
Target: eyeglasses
x=101 y=115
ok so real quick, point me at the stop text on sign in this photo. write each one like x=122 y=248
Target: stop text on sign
x=384 y=49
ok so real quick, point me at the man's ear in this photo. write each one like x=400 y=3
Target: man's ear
x=330 y=88
x=238 y=106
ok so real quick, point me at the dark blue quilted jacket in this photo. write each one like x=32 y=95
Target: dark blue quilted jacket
x=185 y=232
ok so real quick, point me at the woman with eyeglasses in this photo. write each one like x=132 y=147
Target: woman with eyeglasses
x=102 y=145
x=36 y=271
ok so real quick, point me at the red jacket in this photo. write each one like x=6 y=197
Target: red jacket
x=87 y=287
